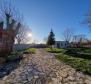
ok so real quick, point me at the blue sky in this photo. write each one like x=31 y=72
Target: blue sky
x=42 y=15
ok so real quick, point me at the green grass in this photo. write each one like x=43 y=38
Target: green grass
x=88 y=50
x=72 y=57
x=30 y=51
x=84 y=50
x=54 y=50
x=77 y=63
x=79 y=52
x=13 y=56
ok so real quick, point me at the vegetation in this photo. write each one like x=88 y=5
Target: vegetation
x=51 y=39
x=67 y=34
x=79 y=52
x=77 y=63
x=30 y=51
x=54 y=50
x=11 y=18
x=14 y=56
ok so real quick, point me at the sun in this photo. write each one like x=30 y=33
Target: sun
x=29 y=34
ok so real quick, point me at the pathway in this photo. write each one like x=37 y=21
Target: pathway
x=43 y=68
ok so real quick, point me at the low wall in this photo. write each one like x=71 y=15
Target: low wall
x=21 y=46
x=24 y=46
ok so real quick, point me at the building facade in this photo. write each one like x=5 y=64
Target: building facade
x=61 y=44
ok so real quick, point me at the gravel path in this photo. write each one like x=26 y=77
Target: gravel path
x=43 y=68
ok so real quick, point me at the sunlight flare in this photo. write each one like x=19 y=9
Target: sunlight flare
x=29 y=34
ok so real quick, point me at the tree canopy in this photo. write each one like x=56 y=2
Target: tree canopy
x=51 y=38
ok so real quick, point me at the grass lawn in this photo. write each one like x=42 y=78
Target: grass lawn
x=54 y=50
x=79 y=64
x=30 y=51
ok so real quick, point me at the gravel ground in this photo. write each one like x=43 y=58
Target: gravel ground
x=44 y=68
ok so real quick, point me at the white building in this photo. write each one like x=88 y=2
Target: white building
x=61 y=44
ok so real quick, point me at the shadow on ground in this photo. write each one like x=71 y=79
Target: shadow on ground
x=8 y=67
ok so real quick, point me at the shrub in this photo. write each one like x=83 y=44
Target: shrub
x=79 y=52
x=77 y=63
x=54 y=50
x=30 y=51
x=88 y=50
x=14 y=56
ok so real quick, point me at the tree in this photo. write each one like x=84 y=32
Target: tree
x=12 y=21
x=87 y=20
x=67 y=35
x=22 y=35
x=78 y=40
x=51 y=39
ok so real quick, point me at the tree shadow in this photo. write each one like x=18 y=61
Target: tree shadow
x=8 y=67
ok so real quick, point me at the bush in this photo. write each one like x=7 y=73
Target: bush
x=79 y=52
x=14 y=56
x=83 y=50
x=54 y=50
x=30 y=51
x=77 y=63
x=88 y=50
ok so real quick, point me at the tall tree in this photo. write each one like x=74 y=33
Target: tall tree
x=78 y=40
x=51 y=39
x=67 y=35
x=12 y=21
x=87 y=19
x=22 y=35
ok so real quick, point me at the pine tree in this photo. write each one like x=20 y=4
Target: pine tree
x=51 y=39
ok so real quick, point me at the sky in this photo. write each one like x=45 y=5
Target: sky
x=42 y=15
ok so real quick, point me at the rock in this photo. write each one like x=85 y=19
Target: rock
x=88 y=77
x=63 y=74
x=79 y=74
x=74 y=83
x=87 y=81
x=60 y=78
x=70 y=78
x=71 y=72
x=36 y=77
x=29 y=78
x=5 y=78
x=55 y=81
